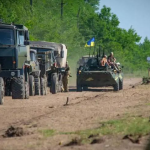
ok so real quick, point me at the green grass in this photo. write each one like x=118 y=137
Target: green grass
x=134 y=74
x=126 y=126
x=47 y=132
x=132 y=125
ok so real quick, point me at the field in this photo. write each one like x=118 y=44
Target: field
x=95 y=119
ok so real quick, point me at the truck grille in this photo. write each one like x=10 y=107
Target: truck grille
x=6 y=62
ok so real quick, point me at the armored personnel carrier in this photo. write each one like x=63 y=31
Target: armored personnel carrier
x=91 y=74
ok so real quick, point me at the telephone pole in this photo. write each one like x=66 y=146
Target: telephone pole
x=62 y=3
x=31 y=2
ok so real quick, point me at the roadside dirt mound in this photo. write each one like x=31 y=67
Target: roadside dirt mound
x=73 y=142
x=14 y=132
x=146 y=80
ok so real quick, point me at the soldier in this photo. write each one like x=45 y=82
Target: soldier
x=66 y=78
x=112 y=61
x=104 y=61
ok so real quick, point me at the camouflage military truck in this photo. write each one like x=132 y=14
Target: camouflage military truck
x=52 y=59
x=14 y=61
x=91 y=74
x=37 y=82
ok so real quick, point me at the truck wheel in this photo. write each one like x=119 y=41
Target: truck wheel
x=54 y=83
x=116 y=86
x=120 y=84
x=31 y=85
x=26 y=90
x=45 y=78
x=43 y=92
x=18 y=88
x=60 y=86
x=37 y=86
x=2 y=91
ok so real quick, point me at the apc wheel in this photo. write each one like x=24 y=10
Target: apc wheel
x=79 y=88
x=2 y=91
x=18 y=88
x=26 y=90
x=31 y=86
x=120 y=84
x=37 y=86
x=54 y=83
x=85 y=88
x=116 y=86
x=43 y=90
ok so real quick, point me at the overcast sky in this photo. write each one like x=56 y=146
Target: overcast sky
x=135 y=13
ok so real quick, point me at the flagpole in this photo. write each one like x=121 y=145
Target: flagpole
x=94 y=46
x=90 y=50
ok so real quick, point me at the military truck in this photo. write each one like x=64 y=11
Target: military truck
x=14 y=61
x=91 y=74
x=52 y=58
x=37 y=82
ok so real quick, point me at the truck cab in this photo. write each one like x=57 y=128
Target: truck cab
x=14 y=57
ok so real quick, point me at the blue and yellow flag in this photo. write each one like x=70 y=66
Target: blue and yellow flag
x=90 y=43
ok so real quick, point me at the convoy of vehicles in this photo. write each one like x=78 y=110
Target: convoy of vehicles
x=28 y=68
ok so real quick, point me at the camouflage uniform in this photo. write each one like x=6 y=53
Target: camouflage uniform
x=65 y=79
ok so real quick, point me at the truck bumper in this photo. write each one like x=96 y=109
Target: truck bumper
x=9 y=73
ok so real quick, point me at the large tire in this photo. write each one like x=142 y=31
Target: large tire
x=85 y=88
x=116 y=86
x=37 y=86
x=2 y=91
x=18 y=88
x=79 y=87
x=31 y=85
x=60 y=86
x=54 y=83
x=26 y=90
x=60 y=83
x=45 y=85
x=120 y=84
x=43 y=90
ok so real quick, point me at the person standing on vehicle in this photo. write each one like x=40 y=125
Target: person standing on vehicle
x=112 y=61
x=65 y=78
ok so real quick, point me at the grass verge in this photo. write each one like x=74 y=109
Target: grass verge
x=47 y=132
x=134 y=126
x=128 y=126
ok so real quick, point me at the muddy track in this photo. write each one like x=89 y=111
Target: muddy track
x=74 y=99
x=85 y=110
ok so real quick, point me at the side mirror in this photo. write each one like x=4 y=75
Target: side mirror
x=62 y=54
x=26 y=42
x=26 y=35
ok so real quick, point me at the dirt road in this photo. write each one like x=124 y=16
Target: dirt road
x=85 y=110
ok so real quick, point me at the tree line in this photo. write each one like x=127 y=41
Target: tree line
x=74 y=23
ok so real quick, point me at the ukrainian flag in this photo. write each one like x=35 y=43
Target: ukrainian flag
x=90 y=43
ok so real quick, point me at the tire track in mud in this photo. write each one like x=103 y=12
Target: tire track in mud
x=27 y=122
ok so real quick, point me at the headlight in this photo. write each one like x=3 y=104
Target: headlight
x=12 y=73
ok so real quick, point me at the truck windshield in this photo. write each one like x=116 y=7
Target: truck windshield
x=6 y=37
x=33 y=56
